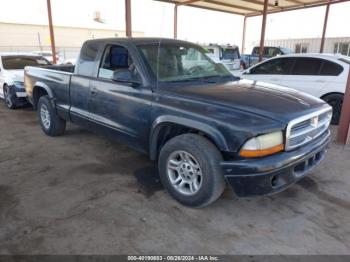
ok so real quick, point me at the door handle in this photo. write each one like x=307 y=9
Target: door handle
x=275 y=79
x=320 y=81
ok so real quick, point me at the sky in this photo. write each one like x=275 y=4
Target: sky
x=196 y=25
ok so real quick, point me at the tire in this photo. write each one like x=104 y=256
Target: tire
x=50 y=122
x=10 y=99
x=205 y=184
x=336 y=102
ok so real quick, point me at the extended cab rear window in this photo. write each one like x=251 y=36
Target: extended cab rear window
x=87 y=58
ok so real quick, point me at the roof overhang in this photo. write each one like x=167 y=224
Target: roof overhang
x=251 y=7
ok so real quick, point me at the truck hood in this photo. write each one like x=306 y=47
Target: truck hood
x=268 y=100
x=14 y=75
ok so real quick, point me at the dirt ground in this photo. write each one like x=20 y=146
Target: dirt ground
x=82 y=194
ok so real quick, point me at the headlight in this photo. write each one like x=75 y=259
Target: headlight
x=263 y=145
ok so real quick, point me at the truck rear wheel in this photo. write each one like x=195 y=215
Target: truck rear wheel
x=189 y=167
x=50 y=122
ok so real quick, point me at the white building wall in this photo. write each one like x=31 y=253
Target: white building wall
x=313 y=43
x=25 y=37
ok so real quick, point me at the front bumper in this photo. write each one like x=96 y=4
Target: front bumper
x=268 y=175
x=18 y=95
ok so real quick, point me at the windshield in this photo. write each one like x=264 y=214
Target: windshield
x=19 y=62
x=180 y=62
x=230 y=53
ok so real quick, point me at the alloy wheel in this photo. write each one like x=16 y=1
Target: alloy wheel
x=45 y=116
x=184 y=173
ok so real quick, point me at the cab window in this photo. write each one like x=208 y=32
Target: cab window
x=116 y=58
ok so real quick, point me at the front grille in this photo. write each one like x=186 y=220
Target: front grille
x=304 y=129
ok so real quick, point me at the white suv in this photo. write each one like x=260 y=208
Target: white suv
x=227 y=55
x=321 y=75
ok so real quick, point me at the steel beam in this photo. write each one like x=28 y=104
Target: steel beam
x=324 y=27
x=263 y=29
x=261 y=3
x=188 y=2
x=243 y=34
x=230 y=5
x=285 y=9
x=175 y=21
x=343 y=128
x=295 y=2
x=52 y=35
x=128 y=23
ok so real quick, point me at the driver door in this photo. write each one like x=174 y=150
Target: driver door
x=120 y=110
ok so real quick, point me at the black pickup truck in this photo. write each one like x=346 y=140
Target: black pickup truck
x=205 y=128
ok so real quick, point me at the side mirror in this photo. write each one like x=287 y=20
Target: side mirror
x=125 y=76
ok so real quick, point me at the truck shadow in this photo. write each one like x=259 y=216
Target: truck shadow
x=148 y=180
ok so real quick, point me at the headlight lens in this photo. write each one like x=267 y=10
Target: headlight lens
x=263 y=145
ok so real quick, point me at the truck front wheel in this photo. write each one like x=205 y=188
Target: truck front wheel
x=50 y=122
x=189 y=167
x=9 y=98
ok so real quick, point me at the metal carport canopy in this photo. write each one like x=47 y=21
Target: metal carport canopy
x=251 y=7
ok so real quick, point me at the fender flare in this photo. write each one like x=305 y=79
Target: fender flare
x=46 y=88
x=214 y=134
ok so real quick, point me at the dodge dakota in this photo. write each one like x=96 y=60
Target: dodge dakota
x=203 y=126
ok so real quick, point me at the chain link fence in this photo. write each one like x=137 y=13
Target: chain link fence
x=64 y=53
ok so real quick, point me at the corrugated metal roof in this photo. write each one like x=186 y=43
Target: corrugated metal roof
x=251 y=7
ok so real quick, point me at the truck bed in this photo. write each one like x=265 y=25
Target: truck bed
x=64 y=68
x=57 y=78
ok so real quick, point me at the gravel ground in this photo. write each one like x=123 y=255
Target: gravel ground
x=82 y=194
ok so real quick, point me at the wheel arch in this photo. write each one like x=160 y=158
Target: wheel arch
x=331 y=93
x=166 y=127
x=39 y=90
x=3 y=85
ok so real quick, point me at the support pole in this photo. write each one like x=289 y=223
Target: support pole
x=263 y=28
x=243 y=34
x=175 y=21
x=324 y=28
x=52 y=35
x=128 y=24
x=343 y=128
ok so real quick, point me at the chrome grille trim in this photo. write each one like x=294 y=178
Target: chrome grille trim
x=306 y=128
